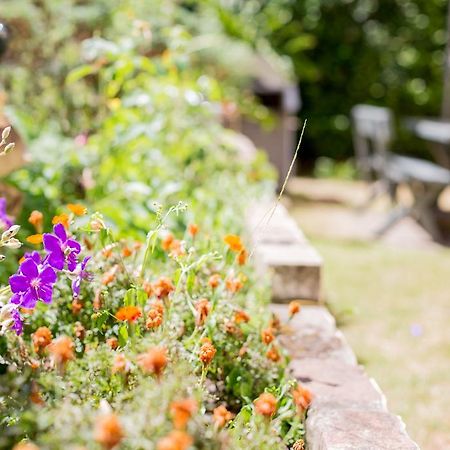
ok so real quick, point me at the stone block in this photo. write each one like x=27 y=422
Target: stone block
x=354 y=429
x=312 y=334
x=336 y=384
x=295 y=270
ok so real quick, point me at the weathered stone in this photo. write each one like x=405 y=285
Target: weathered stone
x=355 y=429
x=312 y=334
x=294 y=269
x=336 y=384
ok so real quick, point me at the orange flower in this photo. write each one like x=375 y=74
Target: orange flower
x=203 y=307
x=128 y=313
x=294 y=307
x=207 y=352
x=267 y=336
x=77 y=209
x=302 y=398
x=233 y=284
x=42 y=337
x=108 y=431
x=27 y=445
x=177 y=248
x=221 y=416
x=112 y=342
x=36 y=219
x=166 y=242
x=148 y=288
x=266 y=404
x=126 y=252
x=61 y=218
x=35 y=395
x=163 y=287
x=154 y=360
x=234 y=242
x=108 y=251
x=35 y=239
x=181 y=411
x=154 y=318
x=273 y=354
x=214 y=280
x=241 y=316
x=62 y=350
x=120 y=364
x=242 y=257
x=77 y=306
x=193 y=229
x=109 y=276
x=175 y=440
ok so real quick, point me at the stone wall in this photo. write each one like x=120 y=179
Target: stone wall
x=348 y=410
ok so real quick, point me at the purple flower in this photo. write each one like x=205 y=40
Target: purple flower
x=34 y=281
x=17 y=325
x=60 y=249
x=5 y=220
x=81 y=274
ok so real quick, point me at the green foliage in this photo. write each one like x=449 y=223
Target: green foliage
x=387 y=52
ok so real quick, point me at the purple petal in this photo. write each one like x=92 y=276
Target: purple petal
x=29 y=268
x=51 y=243
x=29 y=300
x=16 y=299
x=48 y=275
x=19 y=283
x=74 y=245
x=60 y=231
x=17 y=326
x=45 y=293
x=72 y=262
x=56 y=260
x=76 y=286
x=84 y=262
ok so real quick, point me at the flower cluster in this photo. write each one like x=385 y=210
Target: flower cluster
x=37 y=275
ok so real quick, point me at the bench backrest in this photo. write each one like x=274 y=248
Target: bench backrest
x=372 y=134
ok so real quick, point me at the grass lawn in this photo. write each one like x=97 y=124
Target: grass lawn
x=393 y=305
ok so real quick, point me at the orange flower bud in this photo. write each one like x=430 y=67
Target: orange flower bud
x=193 y=229
x=128 y=313
x=214 y=280
x=181 y=411
x=203 y=307
x=266 y=404
x=62 y=350
x=35 y=239
x=167 y=241
x=207 y=353
x=27 y=445
x=112 y=342
x=267 y=336
x=61 y=218
x=77 y=209
x=175 y=440
x=42 y=337
x=302 y=398
x=241 y=316
x=108 y=431
x=221 y=416
x=234 y=242
x=273 y=354
x=154 y=360
x=294 y=307
x=36 y=219
x=242 y=257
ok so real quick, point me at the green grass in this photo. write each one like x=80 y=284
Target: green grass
x=377 y=294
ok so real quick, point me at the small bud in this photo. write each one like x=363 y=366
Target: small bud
x=10 y=232
x=13 y=243
x=5 y=133
x=9 y=147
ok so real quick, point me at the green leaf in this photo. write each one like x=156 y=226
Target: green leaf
x=79 y=73
x=123 y=335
